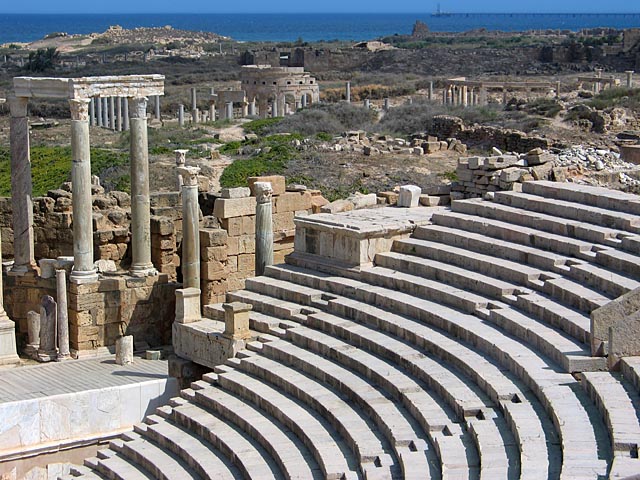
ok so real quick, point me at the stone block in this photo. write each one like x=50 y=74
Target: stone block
x=234 y=207
x=124 y=350
x=209 y=254
x=390 y=197
x=409 y=196
x=317 y=202
x=162 y=225
x=188 y=305
x=236 y=320
x=292 y=202
x=246 y=262
x=238 y=192
x=278 y=183
x=213 y=270
x=213 y=237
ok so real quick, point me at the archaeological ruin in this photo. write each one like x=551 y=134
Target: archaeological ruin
x=487 y=327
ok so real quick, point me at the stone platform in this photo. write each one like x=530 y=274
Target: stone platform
x=45 y=408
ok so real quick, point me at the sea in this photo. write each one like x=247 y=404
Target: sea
x=308 y=27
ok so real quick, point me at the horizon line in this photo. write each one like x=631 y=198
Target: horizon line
x=324 y=13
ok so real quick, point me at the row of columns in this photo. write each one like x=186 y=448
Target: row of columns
x=113 y=112
x=462 y=95
x=21 y=185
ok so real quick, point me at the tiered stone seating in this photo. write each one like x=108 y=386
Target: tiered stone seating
x=462 y=353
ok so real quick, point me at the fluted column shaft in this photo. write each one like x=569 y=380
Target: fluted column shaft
x=190 y=227
x=264 y=227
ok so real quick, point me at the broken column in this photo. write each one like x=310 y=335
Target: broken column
x=33 y=334
x=141 y=264
x=83 y=269
x=21 y=188
x=409 y=196
x=181 y=115
x=48 y=314
x=124 y=350
x=348 y=92
x=252 y=108
x=194 y=106
x=228 y=110
x=63 y=316
x=8 y=352
x=264 y=227
x=386 y=104
x=181 y=159
x=629 y=78
x=190 y=228
x=430 y=90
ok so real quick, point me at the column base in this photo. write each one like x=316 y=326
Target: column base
x=8 y=352
x=82 y=277
x=22 y=270
x=143 y=271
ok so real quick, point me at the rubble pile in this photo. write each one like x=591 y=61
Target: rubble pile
x=593 y=159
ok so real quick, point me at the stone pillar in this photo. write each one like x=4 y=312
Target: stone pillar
x=303 y=101
x=274 y=108
x=483 y=96
x=8 y=352
x=282 y=105
x=194 y=106
x=105 y=112
x=228 y=110
x=386 y=104
x=21 y=188
x=83 y=269
x=263 y=106
x=629 y=78
x=264 y=227
x=212 y=111
x=98 y=102
x=119 y=114
x=430 y=90
x=190 y=228
x=367 y=103
x=63 y=316
x=124 y=350
x=33 y=331
x=504 y=96
x=245 y=109
x=125 y=114
x=48 y=314
x=460 y=95
x=236 y=320
x=181 y=158
x=181 y=115
x=252 y=108
x=444 y=96
x=348 y=93
x=92 y=112
x=112 y=114
x=157 y=108
x=188 y=308
x=465 y=97
x=141 y=264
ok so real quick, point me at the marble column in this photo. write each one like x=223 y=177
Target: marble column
x=119 y=113
x=245 y=110
x=63 y=316
x=124 y=350
x=8 y=352
x=504 y=96
x=141 y=264
x=252 y=108
x=558 y=89
x=194 y=106
x=48 y=314
x=112 y=113
x=465 y=97
x=348 y=92
x=264 y=227
x=444 y=96
x=33 y=331
x=430 y=90
x=157 y=108
x=21 y=188
x=228 y=110
x=92 y=112
x=212 y=111
x=366 y=103
x=274 y=108
x=181 y=159
x=181 y=115
x=83 y=269
x=125 y=114
x=629 y=78
x=282 y=105
x=105 y=112
x=304 y=100
x=386 y=104
x=98 y=102
x=190 y=228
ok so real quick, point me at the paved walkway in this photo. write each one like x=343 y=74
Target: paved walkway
x=72 y=376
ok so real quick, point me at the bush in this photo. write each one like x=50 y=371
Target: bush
x=546 y=107
x=261 y=126
x=408 y=119
x=330 y=118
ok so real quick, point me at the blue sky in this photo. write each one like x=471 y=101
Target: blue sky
x=329 y=6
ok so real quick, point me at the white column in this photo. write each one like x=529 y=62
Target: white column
x=348 y=92
x=92 y=112
x=190 y=228
x=105 y=112
x=48 y=315
x=83 y=269
x=119 y=114
x=264 y=227
x=629 y=78
x=99 y=118
x=8 y=352
x=228 y=110
x=141 y=264
x=112 y=114
x=125 y=114
x=157 y=108
x=181 y=115
x=181 y=159
x=63 y=316
x=21 y=188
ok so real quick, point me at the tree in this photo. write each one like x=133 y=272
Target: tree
x=42 y=59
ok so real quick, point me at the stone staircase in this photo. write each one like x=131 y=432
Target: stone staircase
x=464 y=353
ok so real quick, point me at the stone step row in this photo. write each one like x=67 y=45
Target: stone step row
x=585 y=194
x=550 y=386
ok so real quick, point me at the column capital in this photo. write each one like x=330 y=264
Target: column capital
x=18 y=106
x=138 y=107
x=181 y=156
x=79 y=109
x=263 y=192
x=189 y=176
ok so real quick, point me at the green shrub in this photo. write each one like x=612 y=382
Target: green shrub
x=261 y=126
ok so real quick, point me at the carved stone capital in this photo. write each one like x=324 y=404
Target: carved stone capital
x=138 y=107
x=181 y=157
x=18 y=106
x=79 y=109
x=189 y=176
x=264 y=191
